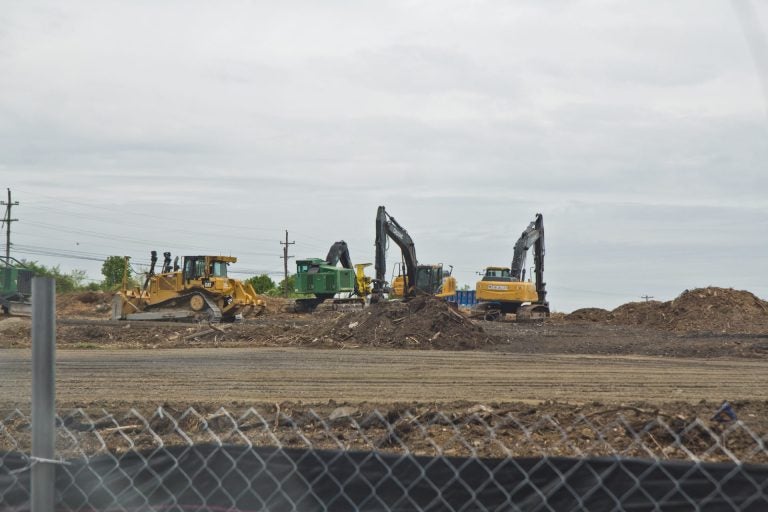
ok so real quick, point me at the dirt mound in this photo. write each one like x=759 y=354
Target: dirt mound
x=423 y=322
x=714 y=310
x=650 y=314
x=275 y=305
x=717 y=310
x=84 y=304
x=589 y=315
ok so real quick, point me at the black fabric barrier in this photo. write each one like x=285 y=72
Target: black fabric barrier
x=238 y=478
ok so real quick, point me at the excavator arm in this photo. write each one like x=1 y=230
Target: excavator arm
x=387 y=226
x=339 y=252
x=533 y=236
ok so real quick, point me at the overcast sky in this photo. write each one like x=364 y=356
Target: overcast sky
x=638 y=129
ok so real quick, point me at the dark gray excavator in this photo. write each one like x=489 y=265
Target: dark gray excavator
x=430 y=279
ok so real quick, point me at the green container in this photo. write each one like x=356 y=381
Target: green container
x=15 y=281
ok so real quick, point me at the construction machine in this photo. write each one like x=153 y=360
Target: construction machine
x=198 y=289
x=412 y=278
x=325 y=280
x=504 y=290
x=15 y=289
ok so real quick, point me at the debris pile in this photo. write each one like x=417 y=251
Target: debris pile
x=712 y=309
x=423 y=322
x=84 y=304
x=589 y=315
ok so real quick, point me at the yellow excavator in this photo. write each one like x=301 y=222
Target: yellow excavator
x=428 y=274
x=198 y=289
x=504 y=290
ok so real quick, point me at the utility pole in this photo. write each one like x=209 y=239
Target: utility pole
x=646 y=297
x=285 y=258
x=7 y=219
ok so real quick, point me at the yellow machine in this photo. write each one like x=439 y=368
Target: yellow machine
x=504 y=290
x=427 y=274
x=498 y=294
x=412 y=277
x=363 y=281
x=199 y=289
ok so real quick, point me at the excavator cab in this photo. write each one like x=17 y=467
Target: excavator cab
x=430 y=279
x=497 y=274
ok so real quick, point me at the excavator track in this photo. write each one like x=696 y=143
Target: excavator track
x=532 y=313
x=316 y=304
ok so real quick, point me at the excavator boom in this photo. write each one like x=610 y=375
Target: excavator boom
x=387 y=226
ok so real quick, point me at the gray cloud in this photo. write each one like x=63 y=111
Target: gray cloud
x=636 y=128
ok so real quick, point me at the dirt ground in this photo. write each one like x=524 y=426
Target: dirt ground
x=679 y=431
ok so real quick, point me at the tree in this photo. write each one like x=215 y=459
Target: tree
x=288 y=285
x=113 y=269
x=64 y=282
x=262 y=284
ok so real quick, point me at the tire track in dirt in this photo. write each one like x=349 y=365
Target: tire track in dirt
x=314 y=376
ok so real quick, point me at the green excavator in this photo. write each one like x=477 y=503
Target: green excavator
x=343 y=288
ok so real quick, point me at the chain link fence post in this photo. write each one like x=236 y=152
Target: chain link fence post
x=43 y=392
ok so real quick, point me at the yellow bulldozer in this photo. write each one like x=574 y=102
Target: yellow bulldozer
x=198 y=289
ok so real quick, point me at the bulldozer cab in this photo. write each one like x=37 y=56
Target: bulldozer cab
x=204 y=267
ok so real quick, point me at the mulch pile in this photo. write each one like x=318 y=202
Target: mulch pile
x=423 y=322
x=717 y=310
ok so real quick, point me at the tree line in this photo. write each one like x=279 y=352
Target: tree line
x=113 y=269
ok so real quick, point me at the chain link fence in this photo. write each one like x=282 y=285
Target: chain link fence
x=471 y=457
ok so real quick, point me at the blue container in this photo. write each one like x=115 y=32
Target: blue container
x=464 y=298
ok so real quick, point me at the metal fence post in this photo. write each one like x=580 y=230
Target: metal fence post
x=43 y=392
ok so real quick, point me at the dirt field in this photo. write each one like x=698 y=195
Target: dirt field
x=559 y=404
x=316 y=376
x=578 y=380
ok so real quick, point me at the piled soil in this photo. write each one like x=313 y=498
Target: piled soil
x=675 y=430
x=714 y=310
x=589 y=315
x=423 y=322
x=84 y=305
